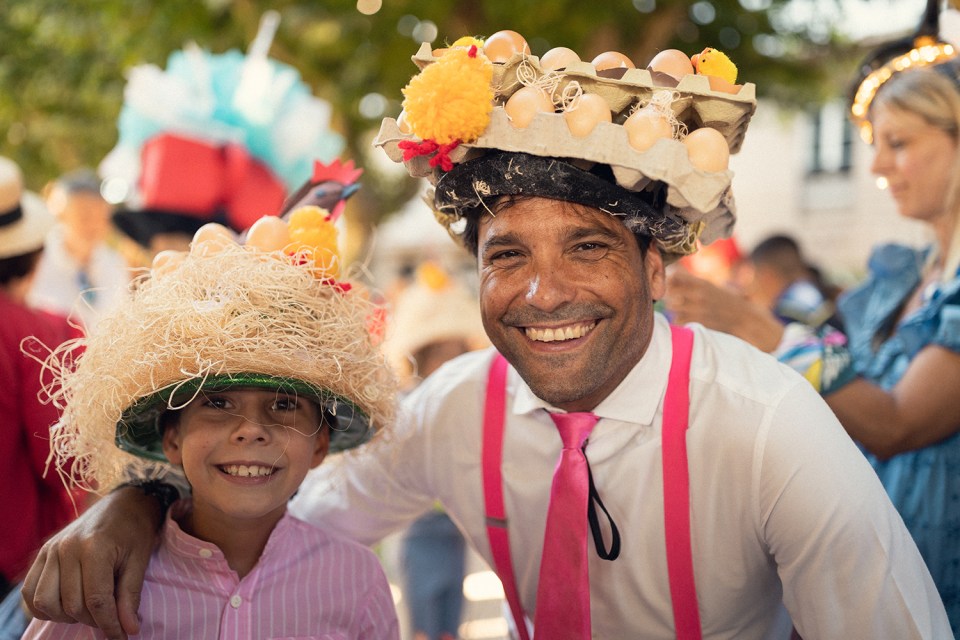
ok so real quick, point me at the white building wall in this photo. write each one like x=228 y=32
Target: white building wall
x=837 y=217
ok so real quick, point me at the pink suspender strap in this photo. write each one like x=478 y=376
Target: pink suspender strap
x=676 y=489
x=493 y=421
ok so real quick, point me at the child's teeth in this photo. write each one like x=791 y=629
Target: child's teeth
x=247 y=471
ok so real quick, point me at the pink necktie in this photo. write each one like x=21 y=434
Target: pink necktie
x=563 y=594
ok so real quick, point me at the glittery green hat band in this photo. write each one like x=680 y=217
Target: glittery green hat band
x=140 y=431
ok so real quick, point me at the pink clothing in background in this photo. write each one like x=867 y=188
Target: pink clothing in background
x=307 y=584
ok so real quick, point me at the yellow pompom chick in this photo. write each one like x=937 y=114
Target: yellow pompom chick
x=432 y=276
x=467 y=42
x=711 y=62
x=314 y=236
x=451 y=99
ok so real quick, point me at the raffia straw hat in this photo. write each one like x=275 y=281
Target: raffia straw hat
x=653 y=150
x=24 y=219
x=223 y=315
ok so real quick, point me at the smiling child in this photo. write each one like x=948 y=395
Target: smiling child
x=241 y=368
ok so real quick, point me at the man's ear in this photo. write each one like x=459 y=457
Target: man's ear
x=656 y=272
x=171 y=441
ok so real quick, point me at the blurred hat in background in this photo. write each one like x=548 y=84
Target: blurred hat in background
x=24 y=219
x=434 y=308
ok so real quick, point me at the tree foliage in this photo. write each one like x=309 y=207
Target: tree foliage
x=62 y=66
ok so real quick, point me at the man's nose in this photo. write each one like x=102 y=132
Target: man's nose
x=549 y=285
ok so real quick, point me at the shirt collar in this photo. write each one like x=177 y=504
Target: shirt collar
x=625 y=404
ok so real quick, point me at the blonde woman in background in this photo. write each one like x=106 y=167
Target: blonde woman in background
x=895 y=383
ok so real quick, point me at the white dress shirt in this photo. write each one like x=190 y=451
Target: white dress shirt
x=783 y=504
x=62 y=286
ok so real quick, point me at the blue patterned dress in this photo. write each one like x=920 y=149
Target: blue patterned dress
x=923 y=484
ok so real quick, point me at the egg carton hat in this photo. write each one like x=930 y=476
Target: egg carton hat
x=24 y=218
x=220 y=316
x=458 y=132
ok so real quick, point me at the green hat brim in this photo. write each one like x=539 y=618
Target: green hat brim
x=140 y=432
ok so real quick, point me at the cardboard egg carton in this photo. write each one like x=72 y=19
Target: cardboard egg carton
x=696 y=195
x=699 y=100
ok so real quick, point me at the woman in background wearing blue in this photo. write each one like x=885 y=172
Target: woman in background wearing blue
x=895 y=381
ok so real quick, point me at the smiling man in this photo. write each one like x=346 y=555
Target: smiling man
x=625 y=478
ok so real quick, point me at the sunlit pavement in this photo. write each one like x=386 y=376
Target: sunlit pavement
x=483 y=596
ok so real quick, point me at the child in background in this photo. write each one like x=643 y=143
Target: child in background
x=243 y=367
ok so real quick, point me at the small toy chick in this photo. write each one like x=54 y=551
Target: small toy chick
x=313 y=234
x=448 y=103
x=711 y=62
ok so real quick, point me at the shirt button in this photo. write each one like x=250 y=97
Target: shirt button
x=206 y=553
x=235 y=602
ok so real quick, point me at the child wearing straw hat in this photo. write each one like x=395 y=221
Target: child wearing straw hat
x=244 y=368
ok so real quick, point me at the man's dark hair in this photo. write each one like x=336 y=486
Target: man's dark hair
x=782 y=253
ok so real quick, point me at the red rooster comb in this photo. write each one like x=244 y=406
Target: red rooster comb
x=343 y=172
x=328 y=188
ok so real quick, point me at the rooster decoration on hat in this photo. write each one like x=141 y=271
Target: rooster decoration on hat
x=222 y=138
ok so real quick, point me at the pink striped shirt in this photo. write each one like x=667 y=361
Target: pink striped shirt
x=307 y=584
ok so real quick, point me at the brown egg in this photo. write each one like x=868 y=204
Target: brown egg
x=591 y=109
x=707 y=149
x=558 y=58
x=501 y=46
x=672 y=62
x=269 y=233
x=645 y=126
x=402 y=123
x=211 y=238
x=166 y=261
x=612 y=60
x=525 y=104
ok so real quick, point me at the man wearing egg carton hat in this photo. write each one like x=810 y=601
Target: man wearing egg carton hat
x=715 y=484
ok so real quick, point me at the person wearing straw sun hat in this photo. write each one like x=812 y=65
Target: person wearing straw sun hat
x=434 y=319
x=241 y=368
x=31 y=493
x=625 y=478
